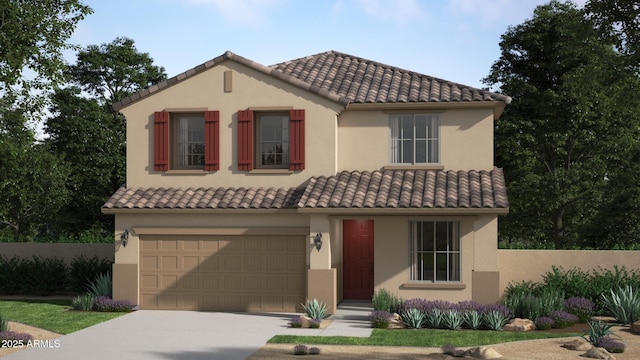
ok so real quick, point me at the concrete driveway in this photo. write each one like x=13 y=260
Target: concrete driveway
x=171 y=335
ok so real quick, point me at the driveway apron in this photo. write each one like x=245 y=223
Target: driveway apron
x=171 y=335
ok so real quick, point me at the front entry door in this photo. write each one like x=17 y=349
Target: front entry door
x=357 y=259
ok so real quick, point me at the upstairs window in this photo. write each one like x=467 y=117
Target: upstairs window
x=186 y=141
x=415 y=139
x=271 y=140
x=435 y=251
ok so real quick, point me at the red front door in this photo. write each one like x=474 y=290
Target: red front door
x=357 y=257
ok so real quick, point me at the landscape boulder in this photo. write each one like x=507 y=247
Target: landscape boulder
x=598 y=353
x=518 y=324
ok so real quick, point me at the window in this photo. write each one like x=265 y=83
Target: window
x=275 y=140
x=272 y=139
x=185 y=141
x=187 y=138
x=435 y=251
x=415 y=139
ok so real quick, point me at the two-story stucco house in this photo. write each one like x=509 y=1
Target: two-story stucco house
x=254 y=188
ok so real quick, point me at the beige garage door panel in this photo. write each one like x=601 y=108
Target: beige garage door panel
x=222 y=273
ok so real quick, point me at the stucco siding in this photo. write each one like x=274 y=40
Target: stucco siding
x=363 y=139
x=251 y=89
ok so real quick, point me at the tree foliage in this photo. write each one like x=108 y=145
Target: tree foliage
x=32 y=179
x=619 y=22
x=88 y=134
x=569 y=127
x=33 y=36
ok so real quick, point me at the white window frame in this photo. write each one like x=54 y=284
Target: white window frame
x=183 y=144
x=451 y=253
x=427 y=137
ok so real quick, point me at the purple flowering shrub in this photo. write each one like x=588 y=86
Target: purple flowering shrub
x=300 y=350
x=12 y=335
x=580 y=307
x=104 y=303
x=544 y=323
x=296 y=322
x=380 y=319
x=563 y=319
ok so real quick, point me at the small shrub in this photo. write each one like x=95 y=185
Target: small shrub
x=611 y=344
x=296 y=322
x=83 y=302
x=472 y=319
x=597 y=331
x=433 y=318
x=315 y=309
x=452 y=319
x=83 y=270
x=413 y=318
x=12 y=335
x=102 y=286
x=103 y=303
x=4 y=324
x=563 y=319
x=495 y=319
x=581 y=307
x=380 y=319
x=544 y=323
x=314 y=351
x=300 y=350
x=11 y=275
x=314 y=323
x=385 y=301
x=623 y=304
x=44 y=276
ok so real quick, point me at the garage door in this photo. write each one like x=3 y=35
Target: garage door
x=222 y=273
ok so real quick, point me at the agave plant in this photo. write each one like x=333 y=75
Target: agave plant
x=413 y=318
x=452 y=319
x=598 y=330
x=315 y=309
x=623 y=304
x=473 y=319
x=102 y=286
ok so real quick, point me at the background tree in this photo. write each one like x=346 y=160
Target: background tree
x=32 y=179
x=566 y=128
x=618 y=21
x=33 y=36
x=89 y=134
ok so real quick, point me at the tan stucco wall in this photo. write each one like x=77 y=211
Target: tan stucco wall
x=63 y=251
x=250 y=89
x=364 y=137
x=391 y=254
x=531 y=265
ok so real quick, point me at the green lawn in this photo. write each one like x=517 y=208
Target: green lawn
x=422 y=337
x=52 y=315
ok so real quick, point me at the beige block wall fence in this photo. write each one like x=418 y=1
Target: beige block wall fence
x=531 y=265
x=66 y=252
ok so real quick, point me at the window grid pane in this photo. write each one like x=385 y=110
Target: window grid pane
x=273 y=142
x=415 y=139
x=435 y=247
x=189 y=141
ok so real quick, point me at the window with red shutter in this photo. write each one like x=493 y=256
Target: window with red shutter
x=161 y=141
x=245 y=140
x=211 y=140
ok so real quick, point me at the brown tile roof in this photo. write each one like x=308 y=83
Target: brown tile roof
x=389 y=189
x=344 y=79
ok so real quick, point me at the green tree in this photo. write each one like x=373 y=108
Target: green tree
x=32 y=179
x=89 y=134
x=33 y=36
x=618 y=21
x=566 y=128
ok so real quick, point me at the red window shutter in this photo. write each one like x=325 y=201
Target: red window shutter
x=211 y=140
x=161 y=141
x=296 y=140
x=245 y=140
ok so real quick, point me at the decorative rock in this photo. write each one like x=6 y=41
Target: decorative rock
x=598 y=353
x=577 y=345
x=305 y=320
x=518 y=324
x=396 y=322
x=483 y=352
x=635 y=327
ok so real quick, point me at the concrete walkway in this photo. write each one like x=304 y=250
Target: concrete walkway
x=189 y=335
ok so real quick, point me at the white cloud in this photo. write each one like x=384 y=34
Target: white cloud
x=245 y=11
x=398 y=11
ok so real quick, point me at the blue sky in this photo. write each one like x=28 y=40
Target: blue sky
x=455 y=40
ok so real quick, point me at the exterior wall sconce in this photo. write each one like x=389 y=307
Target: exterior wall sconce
x=124 y=237
x=317 y=241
